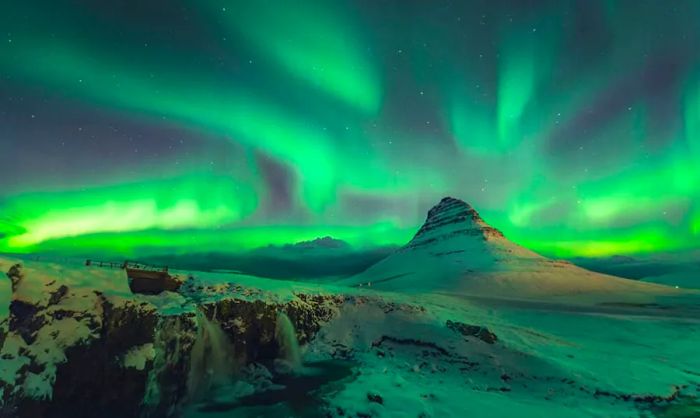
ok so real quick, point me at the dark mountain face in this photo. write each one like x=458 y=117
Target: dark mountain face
x=451 y=217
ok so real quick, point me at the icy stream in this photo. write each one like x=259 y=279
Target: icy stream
x=283 y=386
x=286 y=338
x=212 y=362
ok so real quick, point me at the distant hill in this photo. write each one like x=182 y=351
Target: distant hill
x=321 y=258
x=680 y=269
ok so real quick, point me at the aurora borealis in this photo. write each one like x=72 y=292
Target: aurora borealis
x=180 y=126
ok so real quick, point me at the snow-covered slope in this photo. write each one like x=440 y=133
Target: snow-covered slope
x=689 y=279
x=77 y=344
x=455 y=251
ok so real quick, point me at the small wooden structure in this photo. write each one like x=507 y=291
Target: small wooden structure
x=105 y=264
x=143 y=278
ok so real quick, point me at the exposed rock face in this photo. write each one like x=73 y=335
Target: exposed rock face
x=174 y=340
x=453 y=228
x=67 y=361
x=73 y=352
x=477 y=331
x=3 y=332
x=15 y=275
x=251 y=324
x=452 y=217
x=93 y=376
x=24 y=320
x=70 y=351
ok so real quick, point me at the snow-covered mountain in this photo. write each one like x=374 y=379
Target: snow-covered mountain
x=456 y=251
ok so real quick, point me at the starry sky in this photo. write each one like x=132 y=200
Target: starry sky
x=178 y=126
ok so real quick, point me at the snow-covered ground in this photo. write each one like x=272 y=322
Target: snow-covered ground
x=430 y=354
x=689 y=279
x=547 y=361
x=459 y=322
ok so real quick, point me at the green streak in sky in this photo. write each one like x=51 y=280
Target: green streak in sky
x=473 y=126
x=313 y=40
x=184 y=241
x=641 y=241
x=692 y=119
x=225 y=109
x=574 y=133
x=689 y=174
x=516 y=83
x=195 y=201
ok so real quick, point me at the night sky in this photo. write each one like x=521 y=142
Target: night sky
x=178 y=126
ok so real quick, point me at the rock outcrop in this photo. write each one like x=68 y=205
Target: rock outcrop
x=482 y=333
x=72 y=352
x=452 y=217
x=77 y=343
x=15 y=275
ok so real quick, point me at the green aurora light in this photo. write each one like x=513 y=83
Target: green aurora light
x=571 y=128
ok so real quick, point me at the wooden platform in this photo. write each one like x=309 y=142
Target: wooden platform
x=151 y=282
x=143 y=278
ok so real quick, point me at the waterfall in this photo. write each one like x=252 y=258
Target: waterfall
x=286 y=338
x=212 y=361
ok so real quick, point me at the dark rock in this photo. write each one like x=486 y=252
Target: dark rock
x=651 y=399
x=94 y=377
x=251 y=324
x=3 y=332
x=482 y=333
x=314 y=311
x=58 y=295
x=127 y=325
x=16 y=275
x=410 y=341
x=24 y=320
x=176 y=339
x=34 y=367
x=451 y=211
x=376 y=398
x=150 y=282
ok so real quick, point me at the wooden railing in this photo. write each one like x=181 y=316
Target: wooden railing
x=126 y=265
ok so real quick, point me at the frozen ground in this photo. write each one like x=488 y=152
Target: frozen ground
x=548 y=361
x=459 y=322
x=689 y=278
x=441 y=355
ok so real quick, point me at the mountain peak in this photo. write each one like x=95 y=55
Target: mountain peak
x=322 y=242
x=452 y=217
x=450 y=206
